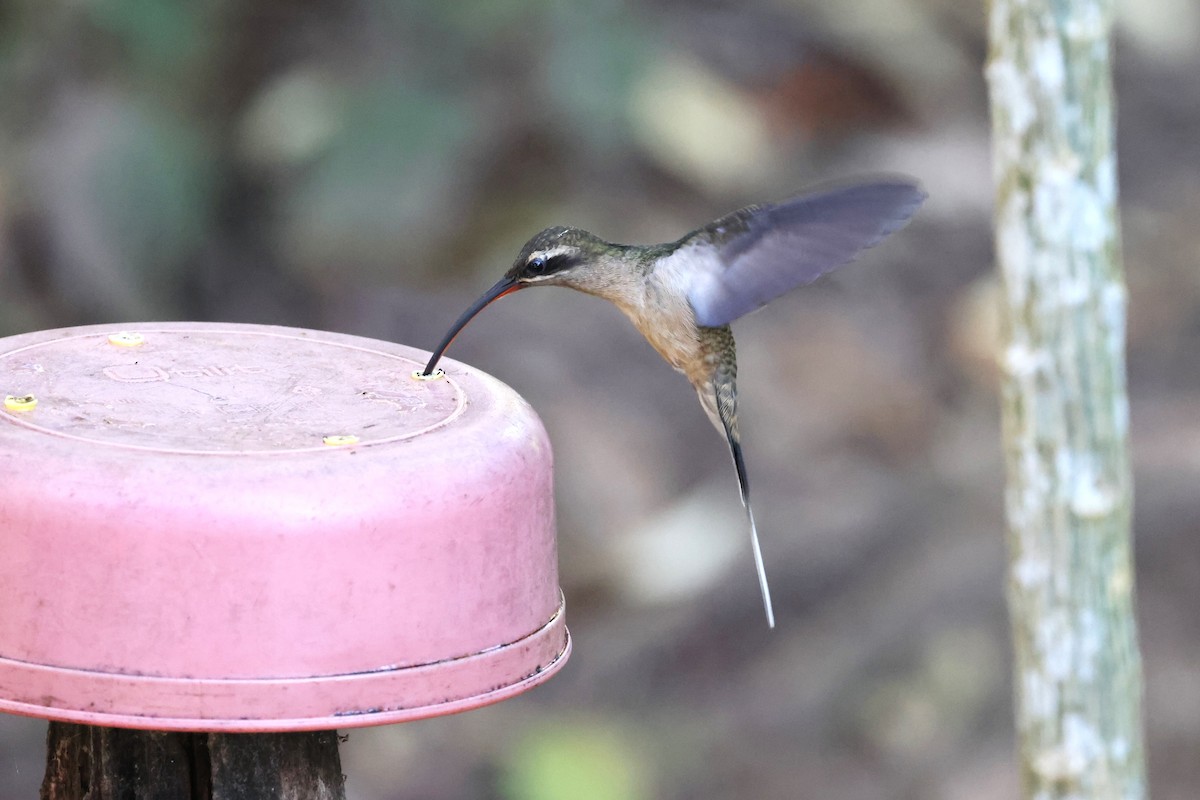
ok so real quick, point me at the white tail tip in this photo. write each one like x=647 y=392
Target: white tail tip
x=762 y=570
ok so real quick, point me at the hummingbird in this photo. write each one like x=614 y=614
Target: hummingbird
x=683 y=295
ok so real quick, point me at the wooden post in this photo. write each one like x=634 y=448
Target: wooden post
x=1065 y=408
x=86 y=762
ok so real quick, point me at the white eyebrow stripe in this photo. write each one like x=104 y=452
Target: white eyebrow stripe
x=551 y=253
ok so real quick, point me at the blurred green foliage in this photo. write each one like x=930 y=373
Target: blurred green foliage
x=152 y=184
x=396 y=151
x=580 y=760
x=592 y=57
x=159 y=39
x=339 y=144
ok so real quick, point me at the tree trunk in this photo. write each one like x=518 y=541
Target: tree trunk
x=1065 y=408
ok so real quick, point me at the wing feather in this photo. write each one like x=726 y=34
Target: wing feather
x=769 y=250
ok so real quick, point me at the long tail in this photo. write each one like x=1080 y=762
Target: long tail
x=739 y=463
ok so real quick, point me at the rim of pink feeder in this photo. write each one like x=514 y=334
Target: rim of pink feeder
x=253 y=528
x=170 y=704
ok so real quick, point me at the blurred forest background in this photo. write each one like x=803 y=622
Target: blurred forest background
x=370 y=167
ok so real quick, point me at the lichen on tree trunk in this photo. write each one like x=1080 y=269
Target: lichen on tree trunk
x=1065 y=407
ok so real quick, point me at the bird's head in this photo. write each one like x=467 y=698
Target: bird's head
x=555 y=257
x=559 y=257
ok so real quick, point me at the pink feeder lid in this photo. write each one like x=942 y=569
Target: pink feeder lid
x=248 y=528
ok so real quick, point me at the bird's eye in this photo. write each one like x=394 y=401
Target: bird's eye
x=536 y=265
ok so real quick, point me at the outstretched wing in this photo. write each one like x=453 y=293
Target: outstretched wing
x=768 y=250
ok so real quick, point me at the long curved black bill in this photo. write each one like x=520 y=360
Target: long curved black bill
x=504 y=286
